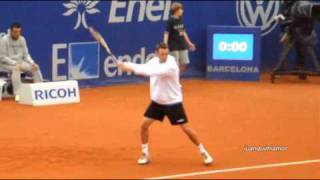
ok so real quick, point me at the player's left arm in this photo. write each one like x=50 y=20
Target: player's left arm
x=146 y=69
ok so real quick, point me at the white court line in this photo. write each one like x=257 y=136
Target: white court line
x=237 y=169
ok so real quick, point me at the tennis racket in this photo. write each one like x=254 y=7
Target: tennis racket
x=98 y=37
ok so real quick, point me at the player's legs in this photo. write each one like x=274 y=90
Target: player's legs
x=177 y=116
x=153 y=113
x=195 y=140
x=190 y=133
x=145 y=130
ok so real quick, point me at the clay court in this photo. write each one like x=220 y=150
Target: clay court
x=99 y=138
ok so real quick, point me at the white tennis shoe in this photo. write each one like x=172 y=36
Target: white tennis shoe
x=144 y=159
x=207 y=159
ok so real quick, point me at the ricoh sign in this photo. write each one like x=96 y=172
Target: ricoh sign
x=50 y=93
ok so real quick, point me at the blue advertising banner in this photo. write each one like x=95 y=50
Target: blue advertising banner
x=233 y=53
x=58 y=38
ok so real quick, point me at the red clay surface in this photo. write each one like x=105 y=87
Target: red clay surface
x=99 y=138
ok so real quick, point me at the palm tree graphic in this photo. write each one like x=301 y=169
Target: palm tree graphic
x=81 y=7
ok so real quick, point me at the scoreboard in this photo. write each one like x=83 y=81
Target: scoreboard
x=233 y=53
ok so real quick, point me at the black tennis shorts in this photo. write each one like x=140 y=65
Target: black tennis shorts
x=175 y=113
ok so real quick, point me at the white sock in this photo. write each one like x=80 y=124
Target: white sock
x=145 y=148
x=202 y=149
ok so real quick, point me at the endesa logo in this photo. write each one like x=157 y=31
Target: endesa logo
x=233 y=47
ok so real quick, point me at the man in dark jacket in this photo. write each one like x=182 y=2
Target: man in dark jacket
x=298 y=29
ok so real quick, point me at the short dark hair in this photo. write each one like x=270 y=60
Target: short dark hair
x=175 y=7
x=161 y=46
x=15 y=25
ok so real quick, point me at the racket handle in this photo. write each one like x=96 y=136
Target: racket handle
x=114 y=58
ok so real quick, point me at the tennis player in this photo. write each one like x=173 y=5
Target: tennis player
x=166 y=98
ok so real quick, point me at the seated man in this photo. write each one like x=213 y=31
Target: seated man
x=15 y=58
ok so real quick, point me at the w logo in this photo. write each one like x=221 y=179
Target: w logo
x=258 y=13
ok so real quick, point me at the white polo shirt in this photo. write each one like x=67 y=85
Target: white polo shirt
x=165 y=87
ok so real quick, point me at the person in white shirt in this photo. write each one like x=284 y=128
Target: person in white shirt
x=15 y=58
x=166 y=98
